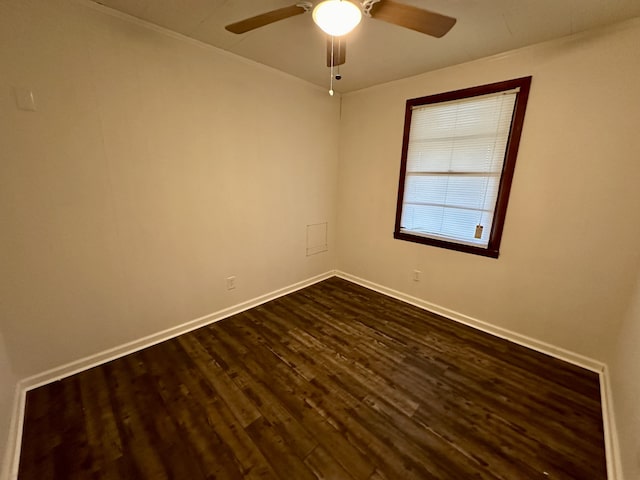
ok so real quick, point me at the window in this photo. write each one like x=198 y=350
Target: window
x=458 y=156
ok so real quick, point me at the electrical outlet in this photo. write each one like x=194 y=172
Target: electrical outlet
x=416 y=275
x=231 y=282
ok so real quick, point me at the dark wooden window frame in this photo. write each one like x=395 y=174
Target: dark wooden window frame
x=493 y=247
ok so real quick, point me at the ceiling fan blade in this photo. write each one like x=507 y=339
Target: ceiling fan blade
x=263 y=19
x=415 y=18
x=339 y=51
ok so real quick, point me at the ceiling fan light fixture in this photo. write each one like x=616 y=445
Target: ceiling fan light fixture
x=337 y=17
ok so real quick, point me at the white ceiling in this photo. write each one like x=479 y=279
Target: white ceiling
x=379 y=52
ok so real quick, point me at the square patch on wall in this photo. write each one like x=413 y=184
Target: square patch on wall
x=317 y=238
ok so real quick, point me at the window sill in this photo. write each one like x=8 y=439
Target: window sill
x=460 y=247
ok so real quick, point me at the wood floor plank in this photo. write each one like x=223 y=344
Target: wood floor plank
x=270 y=405
x=240 y=405
x=41 y=437
x=71 y=422
x=136 y=428
x=324 y=466
x=101 y=425
x=333 y=382
x=298 y=399
x=274 y=447
x=229 y=422
x=189 y=401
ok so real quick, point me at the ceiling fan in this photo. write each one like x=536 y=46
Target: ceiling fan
x=330 y=15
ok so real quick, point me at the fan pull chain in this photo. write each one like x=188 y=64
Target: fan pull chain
x=331 y=81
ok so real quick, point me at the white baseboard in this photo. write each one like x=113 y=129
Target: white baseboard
x=62 y=371
x=9 y=468
x=612 y=447
x=612 y=450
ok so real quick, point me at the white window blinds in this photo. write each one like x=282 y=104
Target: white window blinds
x=455 y=157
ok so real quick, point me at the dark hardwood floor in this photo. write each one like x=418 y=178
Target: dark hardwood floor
x=332 y=382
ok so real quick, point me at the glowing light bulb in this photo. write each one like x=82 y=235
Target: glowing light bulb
x=337 y=17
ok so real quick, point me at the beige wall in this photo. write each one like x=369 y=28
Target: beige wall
x=570 y=246
x=625 y=382
x=153 y=169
